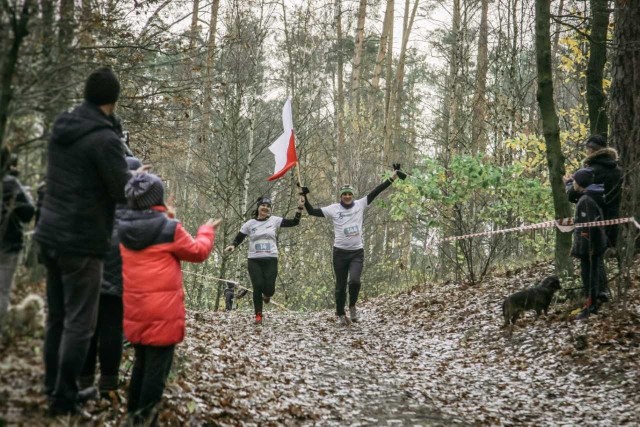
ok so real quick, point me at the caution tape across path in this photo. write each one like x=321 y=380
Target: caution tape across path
x=565 y=225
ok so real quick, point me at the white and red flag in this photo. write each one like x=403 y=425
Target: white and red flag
x=284 y=148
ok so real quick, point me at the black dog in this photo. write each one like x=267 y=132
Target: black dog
x=537 y=298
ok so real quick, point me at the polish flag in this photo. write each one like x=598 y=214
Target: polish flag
x=284 y=148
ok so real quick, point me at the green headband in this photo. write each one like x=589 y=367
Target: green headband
x=346 y=189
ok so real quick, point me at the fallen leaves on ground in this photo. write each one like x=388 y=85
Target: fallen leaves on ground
x=435 y=355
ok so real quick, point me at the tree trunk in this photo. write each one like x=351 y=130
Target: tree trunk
x=387 y=26
x=208 y=72
x=394 y=152
x=478 y=135
x=625 y=112
x=19 y=19
x=598 y=121
x=550 y=126
x=357 y=62
x=66 y=26
x=188 y=76
x=340 y=94
x=450 y=105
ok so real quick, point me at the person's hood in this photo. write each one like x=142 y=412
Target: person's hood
x=86 y=118
x=138 y=230
x=607 y=157
x=595 y=189
x=596 y=192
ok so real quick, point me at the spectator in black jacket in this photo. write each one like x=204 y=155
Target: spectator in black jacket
x=106 y=344
x=86 y=175
x=17 y=208
x=607 y=171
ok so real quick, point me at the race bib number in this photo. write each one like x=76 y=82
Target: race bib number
x=263 y=247
x=351 y=231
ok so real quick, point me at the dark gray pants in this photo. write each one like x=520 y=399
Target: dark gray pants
x=106 y=344
x=73 y=290
x=593 y=277
x=347 y=265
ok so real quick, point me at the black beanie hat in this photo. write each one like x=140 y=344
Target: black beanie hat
x=102 y=87
x=133 y=162
x=144 y=190
x=264 y=200
x=584 y=177
x=596 y=142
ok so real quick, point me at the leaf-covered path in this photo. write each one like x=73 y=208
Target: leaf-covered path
x=432 y=356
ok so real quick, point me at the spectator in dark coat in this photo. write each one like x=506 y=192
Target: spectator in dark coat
x=607 y=171
x=17 y=208
x=86 y=175
x=106 y=344
x=589 y=243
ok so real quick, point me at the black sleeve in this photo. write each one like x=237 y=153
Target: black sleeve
x=311 y=210
x=238 y=239
x=379 y=189
x=286 y=222
x=572 y=194
x=111 y=166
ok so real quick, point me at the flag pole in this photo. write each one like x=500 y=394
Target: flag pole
x=298 y=173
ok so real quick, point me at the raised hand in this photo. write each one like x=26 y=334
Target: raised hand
x=304 y=191
x=214 y=222
x=397 y=172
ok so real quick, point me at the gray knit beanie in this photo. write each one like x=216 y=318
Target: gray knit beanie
x=143 y=191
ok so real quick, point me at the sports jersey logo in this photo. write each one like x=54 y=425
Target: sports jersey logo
x=342 y=215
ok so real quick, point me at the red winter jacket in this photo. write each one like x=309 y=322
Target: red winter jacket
x=152 y=247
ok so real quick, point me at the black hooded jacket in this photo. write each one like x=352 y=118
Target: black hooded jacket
x=589 y=241
x=607 y=171
x=86 y=175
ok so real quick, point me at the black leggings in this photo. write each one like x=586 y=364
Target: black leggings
x=347 y=265
x=263 y=273
x=151 y=368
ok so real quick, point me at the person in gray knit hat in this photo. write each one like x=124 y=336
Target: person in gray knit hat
x=144 y=191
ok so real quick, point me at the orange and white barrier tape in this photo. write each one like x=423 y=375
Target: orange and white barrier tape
x=565 y=225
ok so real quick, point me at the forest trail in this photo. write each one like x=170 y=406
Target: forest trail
x=432 y=356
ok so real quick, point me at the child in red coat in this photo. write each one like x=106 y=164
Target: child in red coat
x=152 y=246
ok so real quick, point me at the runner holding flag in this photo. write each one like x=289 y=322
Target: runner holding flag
x=262 y=229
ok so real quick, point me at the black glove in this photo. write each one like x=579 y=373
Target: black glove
x=304 y=191
x=396 y=168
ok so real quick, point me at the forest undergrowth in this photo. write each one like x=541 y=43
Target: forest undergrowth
x=434 y=355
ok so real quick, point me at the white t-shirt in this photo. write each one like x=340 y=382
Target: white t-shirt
x=262 y=236
x=347 y=224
